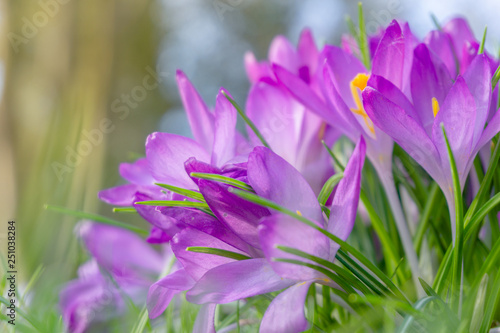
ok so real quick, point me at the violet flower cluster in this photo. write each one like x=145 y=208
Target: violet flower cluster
x=226 y=247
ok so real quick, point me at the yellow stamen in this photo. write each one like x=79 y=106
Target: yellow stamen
x=359 y=82
x=435 y=106
x=298 y=213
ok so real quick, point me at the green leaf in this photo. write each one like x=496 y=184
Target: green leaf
x=173 y=203
x=342 y=273
x=457 y=278
x=218 y=252
x=222 y=179
x=481 y=47
x=247 y=120
x=492 y=303
x=96 y=218
x=478 y=312
x=363 y=40
x=141 y=324
x=476 y=220
x=335 y=159
x=495 y=78
x=327 y=189
x=124 y=210
x=187 y=193
x=348 y=248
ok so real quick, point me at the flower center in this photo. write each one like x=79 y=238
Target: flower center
x=357 y=85
x=435 y=106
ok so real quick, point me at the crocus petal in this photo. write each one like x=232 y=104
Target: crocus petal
x=394 y=56
x=346 y=120
x=307 y=50
x=282 y=230
x=137 y=172
x=166 y=154
x=161 y=293
x=200 y=118
x=239 y=215
x=490 y=131
x=123 y=195
x=256 y=70
x=478 y=79
x=224 y=147
x=275 y=179
x=304 y=94
x=204 y=322
x=121 y=252
x=236 y=280
x=440 y=43
x=394 y=121
x=286 y=314
x=158 y=236
x=277 y=117
x=282 y=52
x=394 y=94
x=153 y=215
x=458 y=114
x=344 y=67
x=197 y=264
x=429 y=79
x=345 y=201
x=205 y=223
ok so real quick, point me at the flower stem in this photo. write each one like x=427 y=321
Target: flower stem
x=404 y=232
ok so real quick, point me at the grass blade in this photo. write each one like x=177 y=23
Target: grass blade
x=96 y=218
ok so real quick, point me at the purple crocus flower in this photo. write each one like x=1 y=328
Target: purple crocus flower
x=121 y=264
x=211 y=279
x=341 y=105
x=290 y=129
x=461 y=106
x=216 y=141
x=455 y=45
x=286 y=311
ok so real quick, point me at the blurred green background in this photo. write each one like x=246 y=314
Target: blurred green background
x=71 y=67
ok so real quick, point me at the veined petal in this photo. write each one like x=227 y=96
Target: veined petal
x=204 y=322
x=394 y=56
x=166 y=154
x=429 y=79
x=124 y=195
x=458 y=114
x=197 y=264
x=304 y=93
x=137 y=172
x=478 y=79
x=239 y=215
x=154 y=216
x=200 y=118
x=284 y=230
x=345 y=201
x=236 y=280
x=394 y=121
x=224 y=147
x=277 y=116
x=286 y=314
x=275 y=179
x=161 y=293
